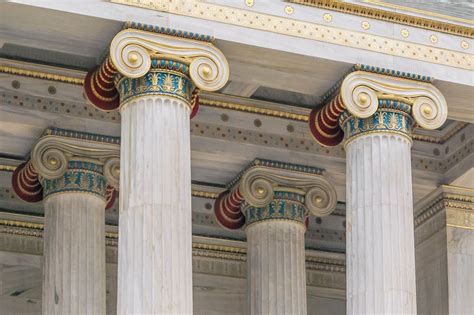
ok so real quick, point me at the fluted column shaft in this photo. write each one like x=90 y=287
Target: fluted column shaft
x=74 y=254
x=276 y=267
x=379 y=214
x=155 y=244
x=74 y=241
x=276 y=254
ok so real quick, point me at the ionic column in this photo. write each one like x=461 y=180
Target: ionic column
x=74 y=175
x=159 y=73
x=275 y=199
x=380 y=112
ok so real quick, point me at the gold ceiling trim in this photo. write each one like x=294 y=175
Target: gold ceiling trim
x=7 y=168
x=254 y=110
x=466 y=227
x=204 y=194
x=419 y=11
x=393 y=17
x=42 y=75
x=440 y=140
x=307 y=30
x=212 y=103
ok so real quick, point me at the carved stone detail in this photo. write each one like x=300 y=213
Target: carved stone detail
x=258 y=185
x=363 y=92
x=131 y=52
x=63 y=160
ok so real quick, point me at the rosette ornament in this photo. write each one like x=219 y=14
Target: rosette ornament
x=298 y=190
x=133 y=51
x=362 y=93
x=59 y=160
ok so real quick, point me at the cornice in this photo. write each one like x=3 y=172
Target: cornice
x=233 y=106
x=290 y=26
x=457 y=203
x=388 y=16
x=418 y=11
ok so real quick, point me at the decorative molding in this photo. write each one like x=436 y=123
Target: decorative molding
x=203 y=101
x=204 y=194
x=41 y=75
x=7 y=168
x=82 y=177
x=253 y=110
x=80 y=135
x=211 y=249
x=174 y=82
x=390 y=117
x=457 y=205
x=288 y=206
x=392 y=17
x=418 y=11
x=261 y=182
x=307 y=30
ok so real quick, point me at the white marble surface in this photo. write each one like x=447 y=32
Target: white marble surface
x=74 y=254
x=276 y=268
x=380 y=234
x=460 y=248
x=155 y=245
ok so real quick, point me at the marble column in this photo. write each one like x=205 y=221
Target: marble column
x=74 y=173
x=273 y=200
x=374 y=111
x=74 y=242
x=276 y=256
x=379 y=220
x=379 y=207
x=157 y=82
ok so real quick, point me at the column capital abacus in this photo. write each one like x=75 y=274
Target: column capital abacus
x=267 y=190
x=69 y=161
x=156 y=60
x=372 y=99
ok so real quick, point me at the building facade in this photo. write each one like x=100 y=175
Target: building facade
x=236 y=157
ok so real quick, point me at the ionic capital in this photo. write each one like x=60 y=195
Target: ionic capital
x=140 y=48
x=366 y=92
x=69 y=161
x=362 y=91
x=268 y=190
